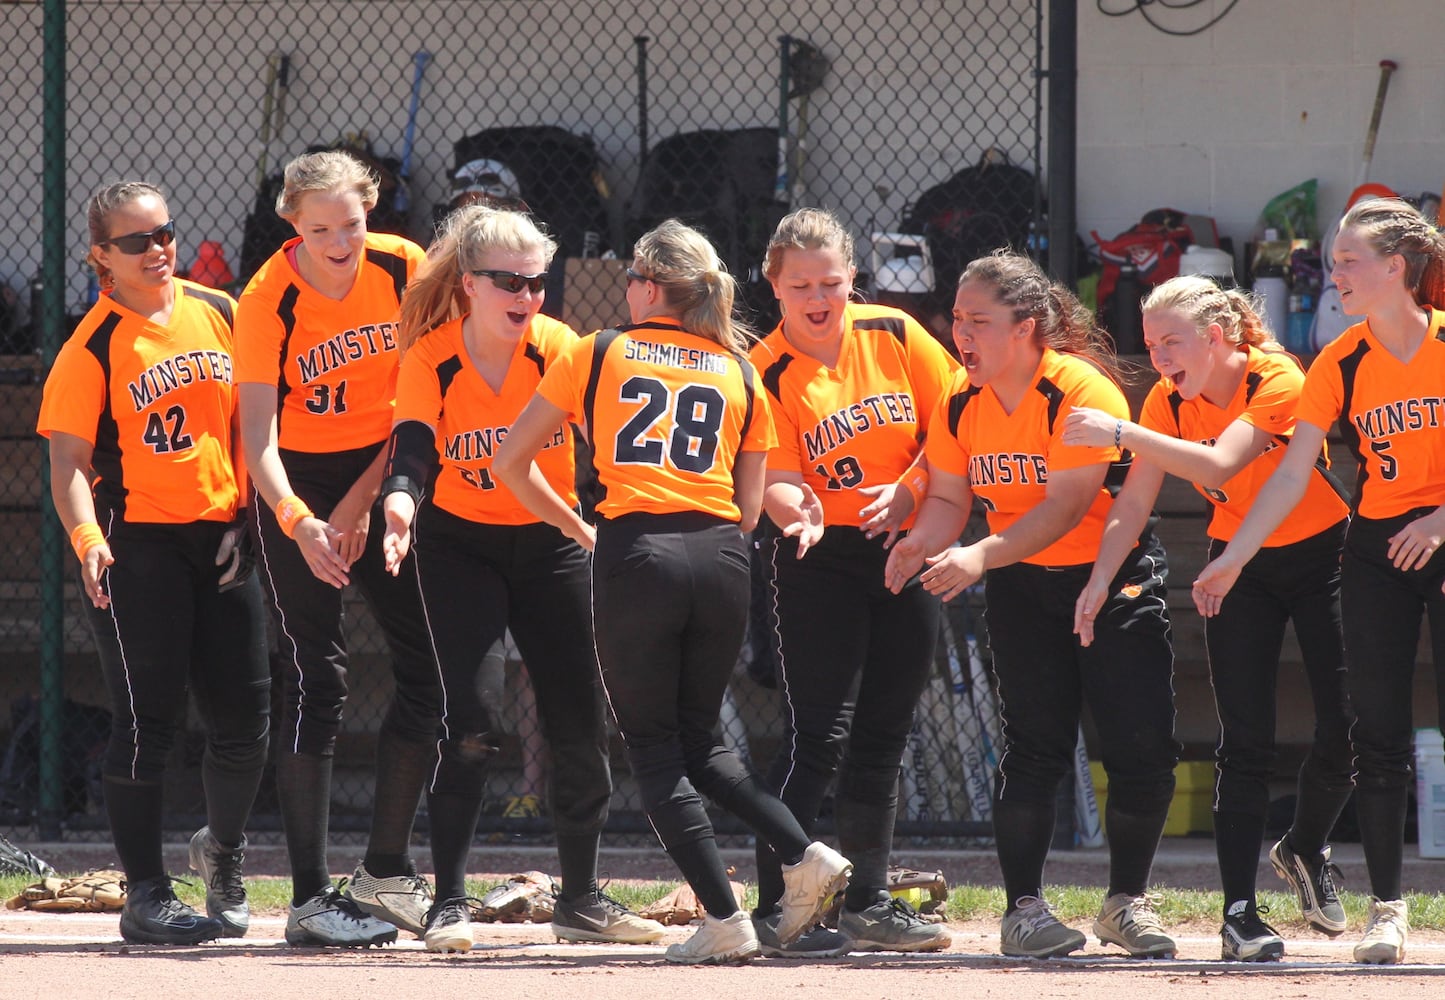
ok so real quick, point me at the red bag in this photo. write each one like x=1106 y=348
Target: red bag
x=1153 y=246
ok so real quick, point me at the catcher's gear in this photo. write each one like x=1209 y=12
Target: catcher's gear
x=528 y=897
x=93 y=892
x=18 y=861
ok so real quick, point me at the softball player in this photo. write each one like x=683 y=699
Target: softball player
x=462 y=383
x=316 y=364
x=1030 y=354
x=1220 y=416
x=1381 y=379
x=146 y=476
x=679 y=432
x=852 y=388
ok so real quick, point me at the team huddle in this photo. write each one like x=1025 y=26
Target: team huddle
x=407 y=420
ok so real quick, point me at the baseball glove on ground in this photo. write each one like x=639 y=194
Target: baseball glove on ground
x=93 y=892
x=528 y=897
x=681 y=906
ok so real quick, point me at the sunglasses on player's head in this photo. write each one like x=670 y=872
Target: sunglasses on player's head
x=511 y=281
x=135 y=244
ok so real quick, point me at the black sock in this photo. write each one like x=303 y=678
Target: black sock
x=303 y=786
x=702 y=866
x=1022 y=833
x=230 y=794
x=453 y=821
x=1317 y=808
x=1237 y=838
x=135 y=809
x=865 y=834
x=402 y=767
x=1382 y=833
x=577 y=856
x=1133 y=841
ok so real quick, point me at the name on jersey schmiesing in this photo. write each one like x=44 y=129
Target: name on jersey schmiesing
x=344 y=348
x=850 y=421
x=690 y=359
x=175 y=372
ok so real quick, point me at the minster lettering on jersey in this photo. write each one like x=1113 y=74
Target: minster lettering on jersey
x=1008 y=469
x=1400 y=416
x=175 y=372
x=344 y=348
x=845 y=424
x=479 y=443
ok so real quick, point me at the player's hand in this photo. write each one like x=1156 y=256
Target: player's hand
x=1089 y=427
x=953 y=571
x=350 y=521
x=399 y=509
x=904 y=559
x=318 y=544
x=234 y=553
x=92 y=568
x=1412 y=546
x=806 y=524
x=891 y=506
x=1086 y=609
x=1213 y=583
x=583 y=534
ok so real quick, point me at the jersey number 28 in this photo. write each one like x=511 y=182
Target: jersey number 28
x=697 y=413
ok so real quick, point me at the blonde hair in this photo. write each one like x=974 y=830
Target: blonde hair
x=1202 y=302
x=695 y=286
x=807 y=229
x=434 y=294
x=1060 y=319
x=97 y=217
x=1393 y=226
x=330 y=170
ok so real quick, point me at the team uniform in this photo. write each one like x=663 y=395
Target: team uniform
x=1294 y=577
x=667 y=413
x=333 y=363
x=1044 y=675
x=484 y=563
x=853 y=658
x=156 y=400
x=1390 y=416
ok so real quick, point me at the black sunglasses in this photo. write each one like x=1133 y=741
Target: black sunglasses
x=511 y=281
x=636 y=276
x=138 y=243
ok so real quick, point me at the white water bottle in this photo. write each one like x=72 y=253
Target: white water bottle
x=1274 y=291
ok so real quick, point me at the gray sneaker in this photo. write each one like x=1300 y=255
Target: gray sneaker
x=331 y=920
x=1315 y=882
x=820 y=942
x=400 y=900
x=1032 y=931
x=890 y=924
x=1132 y=923
x=220 y=868
x=599 y=917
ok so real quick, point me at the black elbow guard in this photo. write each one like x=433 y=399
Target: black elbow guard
x=411 y=457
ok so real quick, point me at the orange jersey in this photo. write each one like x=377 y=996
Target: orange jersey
x=1391 y=414
x=439 y=386
x=667 y=413
x=1266 y=399
x=1007 y=457
x=156 y=402
x=863 y=422
x=333 y=363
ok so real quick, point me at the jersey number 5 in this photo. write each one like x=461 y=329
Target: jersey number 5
x=697 y=413
x=1389 y=468
x=165 y=434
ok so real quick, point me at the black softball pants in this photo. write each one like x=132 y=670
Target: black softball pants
x=1126 y=676
x=1382 y=607
x=670 y=598
x=853 y=659
x=168 y=633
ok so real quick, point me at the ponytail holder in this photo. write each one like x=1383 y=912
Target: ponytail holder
x=290 y=512
x=1118 y=433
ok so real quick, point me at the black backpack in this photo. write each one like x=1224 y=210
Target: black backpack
x=721 y=182
x=560 y=177
x=976 y=211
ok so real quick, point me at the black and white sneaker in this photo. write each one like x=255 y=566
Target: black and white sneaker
x=153 y=915
x=1316 y=882
x=220 y=868
x=599 y=917
x=1247 y=938
x=330 y=920
x=400 y=900
x=449 y=926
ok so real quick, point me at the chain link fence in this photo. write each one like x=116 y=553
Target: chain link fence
x=916 y=121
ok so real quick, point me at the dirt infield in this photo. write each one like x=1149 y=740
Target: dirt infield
x=523 y=960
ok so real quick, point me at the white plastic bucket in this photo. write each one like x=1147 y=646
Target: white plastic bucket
x=1211 y=262
x=1430 y=791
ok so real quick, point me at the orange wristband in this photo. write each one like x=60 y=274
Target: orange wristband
x=289 y=513
x=86 y=536
x=915 y=481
